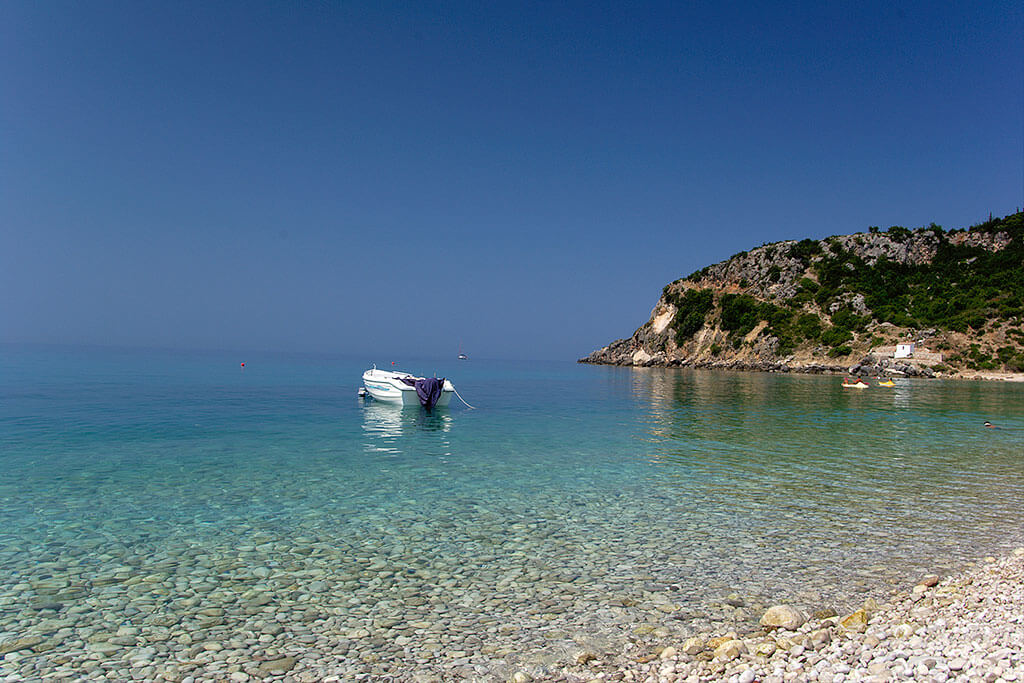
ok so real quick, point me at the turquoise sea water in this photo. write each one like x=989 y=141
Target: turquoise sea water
x=182 y=500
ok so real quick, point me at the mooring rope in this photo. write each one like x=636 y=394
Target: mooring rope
x=462 y=399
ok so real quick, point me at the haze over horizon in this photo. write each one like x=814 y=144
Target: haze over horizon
x=524 y=178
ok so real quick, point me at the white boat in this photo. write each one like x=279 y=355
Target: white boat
x=392 y=386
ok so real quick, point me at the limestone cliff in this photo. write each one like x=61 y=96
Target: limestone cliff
x=845 y=304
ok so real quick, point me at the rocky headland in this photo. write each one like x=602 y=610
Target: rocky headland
x=925 y=302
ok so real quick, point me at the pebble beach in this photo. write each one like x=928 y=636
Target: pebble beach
x=966 y=627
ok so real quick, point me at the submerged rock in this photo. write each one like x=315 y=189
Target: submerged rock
x=26 y=643
x=281 y=665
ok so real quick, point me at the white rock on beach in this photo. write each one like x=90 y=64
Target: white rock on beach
x=783 y=616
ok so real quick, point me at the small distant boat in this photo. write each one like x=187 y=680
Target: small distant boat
x=859 y=384
x=886 y=383
x=391 y=386
x=462 y=356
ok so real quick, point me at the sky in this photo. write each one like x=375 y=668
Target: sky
x=396 y=179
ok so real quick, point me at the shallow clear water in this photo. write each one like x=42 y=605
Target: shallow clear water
x=575 y=506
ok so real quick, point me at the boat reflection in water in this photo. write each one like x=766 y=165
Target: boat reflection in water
x=395 y=430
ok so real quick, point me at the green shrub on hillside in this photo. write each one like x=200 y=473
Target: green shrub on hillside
x=959 y=290
x=1014 y=363
x=898 y=233
x=846 y=319
x=835 y=336
x=804 y=250
x=808 y=326
x=741 y=313
x=808 y=285
x=692 y=308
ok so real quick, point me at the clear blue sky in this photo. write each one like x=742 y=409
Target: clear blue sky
x=387 y=179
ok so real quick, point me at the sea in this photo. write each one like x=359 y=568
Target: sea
x=171 y=514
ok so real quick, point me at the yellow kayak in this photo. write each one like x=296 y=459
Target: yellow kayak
x=887 y=383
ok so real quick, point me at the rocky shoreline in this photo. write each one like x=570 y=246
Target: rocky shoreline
x=867 y=367
x=967 y=627
x=864 y=368
x=625 y=353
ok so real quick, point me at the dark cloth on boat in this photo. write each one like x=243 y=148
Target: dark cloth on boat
x=428 y=389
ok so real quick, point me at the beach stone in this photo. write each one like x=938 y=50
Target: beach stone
x=26 y=643
x=123 y=640
x=668 y=653
x=903 y=630
x=734 y=600
x=104 y=648
x=715 y=642
x=44 y=646
x=878 y=667
x=820 y=638
x=857 y=622
x=694 y=645
x=766 y=648
x=730 y=650
x=783 y=616
x=276 y=666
